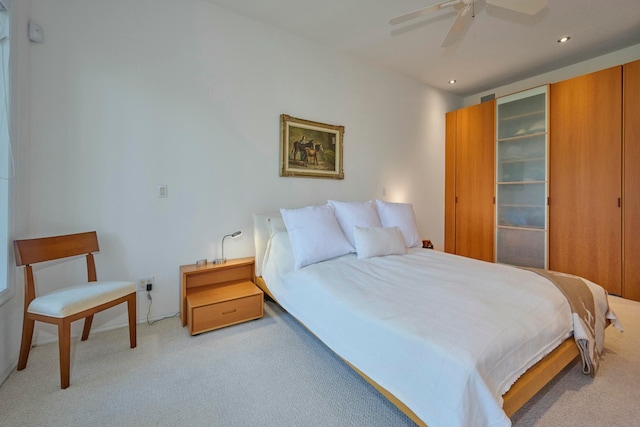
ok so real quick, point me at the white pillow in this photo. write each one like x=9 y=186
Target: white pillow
x=315 y=234
x=378 y=241
x=400 y=215
x=350 y=214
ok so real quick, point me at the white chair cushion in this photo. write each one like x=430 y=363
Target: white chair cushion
x=77 y=298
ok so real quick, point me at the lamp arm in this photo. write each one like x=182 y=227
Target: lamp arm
x=225 y=236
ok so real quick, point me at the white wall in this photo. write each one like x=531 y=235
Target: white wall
x=124 y=96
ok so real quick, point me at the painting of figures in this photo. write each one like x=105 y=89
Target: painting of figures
x=310 y=149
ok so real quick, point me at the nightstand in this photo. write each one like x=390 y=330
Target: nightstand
x=213 y=296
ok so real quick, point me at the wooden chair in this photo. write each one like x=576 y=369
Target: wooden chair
x=71 y=303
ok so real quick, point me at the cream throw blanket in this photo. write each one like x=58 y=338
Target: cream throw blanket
x=584 y=316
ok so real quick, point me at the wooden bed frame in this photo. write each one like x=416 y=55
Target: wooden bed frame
x=520 y=392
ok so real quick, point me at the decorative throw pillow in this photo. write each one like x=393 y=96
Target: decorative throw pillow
x=315 y=234
x=378 y=241
x=350 y=214
x=400 y=215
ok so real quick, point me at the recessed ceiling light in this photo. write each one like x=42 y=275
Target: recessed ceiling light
x=564 y=39
x=452 y=81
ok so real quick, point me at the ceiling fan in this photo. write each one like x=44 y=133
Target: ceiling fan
x=466 y=11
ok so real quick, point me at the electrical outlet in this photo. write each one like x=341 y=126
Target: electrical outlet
x=143 y=282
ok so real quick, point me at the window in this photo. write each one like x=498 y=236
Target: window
x=7 y=171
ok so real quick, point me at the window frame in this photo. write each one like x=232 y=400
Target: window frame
x=8 y=291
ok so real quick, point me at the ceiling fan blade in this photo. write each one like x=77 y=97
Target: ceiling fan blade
x=460 y=25
x=528 y=7
x=424 y=11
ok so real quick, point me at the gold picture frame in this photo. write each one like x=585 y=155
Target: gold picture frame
x=310 y=149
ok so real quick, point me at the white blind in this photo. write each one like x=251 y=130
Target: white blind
x=7 y=170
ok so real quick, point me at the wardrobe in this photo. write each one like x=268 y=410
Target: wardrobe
x=631 y=182
x=470 y=181
x=585 y=178
x=593 y=179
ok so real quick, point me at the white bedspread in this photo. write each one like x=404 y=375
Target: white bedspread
x=446 y=335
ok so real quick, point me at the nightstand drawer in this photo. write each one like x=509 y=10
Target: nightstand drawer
x=226 y=313
x=218 y=306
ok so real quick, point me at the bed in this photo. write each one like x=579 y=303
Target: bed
x=449 y=340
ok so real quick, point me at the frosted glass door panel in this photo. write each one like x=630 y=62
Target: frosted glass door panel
x=522 y=117
x=529 y=217
x=522 y=159
x=522 y=205
x=525 y=248
x=522 y=194
x=522 y=178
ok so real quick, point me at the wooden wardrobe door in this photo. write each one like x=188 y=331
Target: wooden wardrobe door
x=475 y=181
x=631 y=201
x=450 y=183
x=585 y=177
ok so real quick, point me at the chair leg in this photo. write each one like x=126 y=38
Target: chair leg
x=64 y=343
x=25 y=345
x=131 y=305
x=87 y=327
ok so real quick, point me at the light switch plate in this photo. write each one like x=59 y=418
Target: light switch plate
x=35 y=32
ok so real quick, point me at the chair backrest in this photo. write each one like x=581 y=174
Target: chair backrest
x=31 y=251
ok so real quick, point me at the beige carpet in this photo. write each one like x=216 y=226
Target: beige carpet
x=610 y=399
x=272 y=372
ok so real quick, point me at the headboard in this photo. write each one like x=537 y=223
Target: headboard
x=263 y=225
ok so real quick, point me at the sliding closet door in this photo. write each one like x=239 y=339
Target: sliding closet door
x=450 y=183
x=585 y=177
x=631 y=77
x=475 y=181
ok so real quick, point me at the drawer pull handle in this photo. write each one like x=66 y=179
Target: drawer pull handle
x=229 y=312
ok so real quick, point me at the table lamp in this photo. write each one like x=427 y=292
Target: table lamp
x=222 y=259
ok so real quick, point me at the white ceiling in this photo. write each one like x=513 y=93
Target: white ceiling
x=500 y=47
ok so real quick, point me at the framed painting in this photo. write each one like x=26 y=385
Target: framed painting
x=310 y=149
